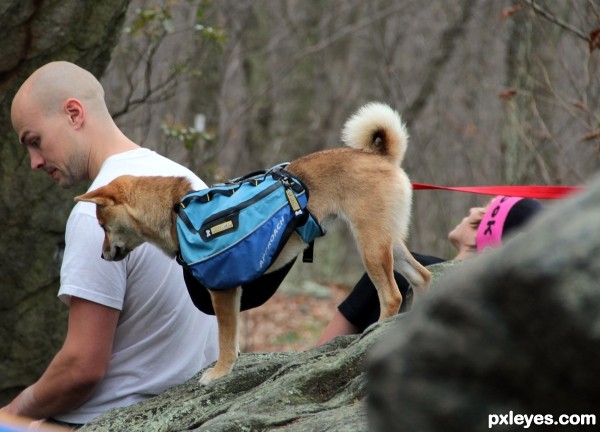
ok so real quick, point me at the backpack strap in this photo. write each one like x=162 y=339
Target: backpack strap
x=207 y=197
x=307 y=255
x=178 y=209
x=304 y=223
x=248 y=176
x=307 y=227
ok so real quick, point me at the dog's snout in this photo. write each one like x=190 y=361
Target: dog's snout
x=116 y=253
x=119 y=253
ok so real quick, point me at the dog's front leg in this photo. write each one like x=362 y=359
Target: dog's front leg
x=226 y=304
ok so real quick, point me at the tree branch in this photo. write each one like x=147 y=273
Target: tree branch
x=553 y=19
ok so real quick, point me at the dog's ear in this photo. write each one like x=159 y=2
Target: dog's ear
x=100 y=196
x=116 y=192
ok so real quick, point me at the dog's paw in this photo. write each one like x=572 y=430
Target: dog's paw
x=206 y=378
x=210 y=375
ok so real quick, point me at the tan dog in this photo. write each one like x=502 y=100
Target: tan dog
x=363 y=183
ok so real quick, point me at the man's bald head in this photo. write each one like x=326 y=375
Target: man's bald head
x=61 y=118
x=51 y=85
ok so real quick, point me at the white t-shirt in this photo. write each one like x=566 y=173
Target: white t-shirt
x=161 y=339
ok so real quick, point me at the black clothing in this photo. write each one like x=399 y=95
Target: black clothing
x=361 y=307
x=254 y=293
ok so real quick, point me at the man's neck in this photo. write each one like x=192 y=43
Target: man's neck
x=97 y=158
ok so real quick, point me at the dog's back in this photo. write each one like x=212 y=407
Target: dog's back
x=363 y=181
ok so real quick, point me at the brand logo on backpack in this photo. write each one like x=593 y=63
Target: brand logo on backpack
x=219 y=228
x=274 y=236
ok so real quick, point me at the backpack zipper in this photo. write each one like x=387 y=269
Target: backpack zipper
x=243 y=204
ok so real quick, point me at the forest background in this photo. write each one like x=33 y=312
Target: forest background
x=493 y=92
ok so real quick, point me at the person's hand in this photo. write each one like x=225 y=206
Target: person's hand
x=36 y=425
x=22 y=423
x=20 y=404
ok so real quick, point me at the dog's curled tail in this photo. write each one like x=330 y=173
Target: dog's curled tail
x=377 y=128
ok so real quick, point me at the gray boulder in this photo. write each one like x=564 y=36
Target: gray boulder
x=322 y=389
x=515 y=331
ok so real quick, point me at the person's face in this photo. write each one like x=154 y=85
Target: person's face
x=464 y=235
x=50 y=142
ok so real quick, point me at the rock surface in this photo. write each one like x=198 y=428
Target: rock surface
x=265 y=392
x=515 y=331
x=322 y=389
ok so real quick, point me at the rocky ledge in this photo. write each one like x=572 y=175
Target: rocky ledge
x=320 y=389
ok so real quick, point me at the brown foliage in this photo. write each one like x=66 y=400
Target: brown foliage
x=289 y=322
x=594 y=39
x=507 y=12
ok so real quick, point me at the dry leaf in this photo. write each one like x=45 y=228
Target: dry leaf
x=590 y=136
x=580 y=105
x=507 y=94
x=509 y=11
x=594 y=39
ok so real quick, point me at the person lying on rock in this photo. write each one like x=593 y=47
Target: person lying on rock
x=482 y=228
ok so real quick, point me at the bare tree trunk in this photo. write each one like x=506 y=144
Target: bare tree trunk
x=528 y=153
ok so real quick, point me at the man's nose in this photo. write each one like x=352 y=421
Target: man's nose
x=37 y=161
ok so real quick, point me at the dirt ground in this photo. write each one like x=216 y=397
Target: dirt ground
x=289 y=322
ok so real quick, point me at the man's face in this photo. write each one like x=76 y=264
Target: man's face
x=464 y=235
x=50 y=142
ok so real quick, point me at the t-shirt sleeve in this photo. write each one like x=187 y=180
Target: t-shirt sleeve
x=84 y=273
x=361 y=307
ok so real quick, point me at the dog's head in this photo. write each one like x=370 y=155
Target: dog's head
x=115 y=216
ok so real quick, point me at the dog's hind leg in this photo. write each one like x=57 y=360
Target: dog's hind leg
x=379 y=263
x=226 y=304
x=417 y=276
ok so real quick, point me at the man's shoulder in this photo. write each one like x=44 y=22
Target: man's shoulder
x=142 y=162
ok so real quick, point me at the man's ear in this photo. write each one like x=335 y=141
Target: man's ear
x=74 y=109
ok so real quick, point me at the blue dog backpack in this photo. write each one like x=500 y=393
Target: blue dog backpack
x=230 y=233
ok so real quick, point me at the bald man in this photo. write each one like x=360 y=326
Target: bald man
x=132 y=330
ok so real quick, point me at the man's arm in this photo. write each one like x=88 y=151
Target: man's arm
x=338 y=326
x=77 y=368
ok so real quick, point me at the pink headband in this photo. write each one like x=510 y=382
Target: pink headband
x=489 y=232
